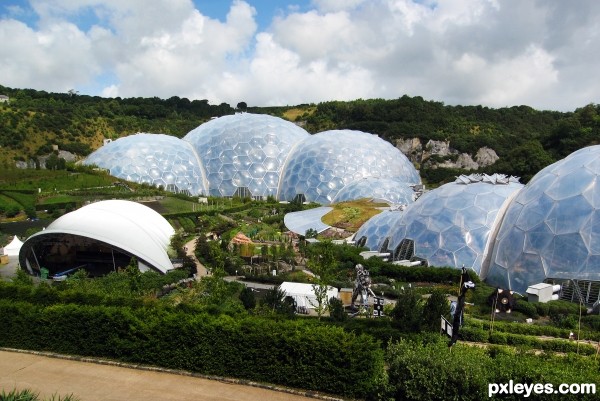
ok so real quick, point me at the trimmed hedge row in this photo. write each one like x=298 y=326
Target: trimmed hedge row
x=300 y=354
x=538 y=330
x=437 y=372
x=536 y=309
x=424 y=274
x=470 y=333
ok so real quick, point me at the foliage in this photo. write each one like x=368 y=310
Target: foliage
x=434 y=371
x=336 y=310
x=524 y=138
x=276 y=301
x=322 y=262
x=248 y=299
x=28 y=395
x=294 y=353
x=408 y=312
x=436 y=306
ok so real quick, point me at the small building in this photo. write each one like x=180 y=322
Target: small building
x=304 y=294
x=542 y=292
x=4 y=99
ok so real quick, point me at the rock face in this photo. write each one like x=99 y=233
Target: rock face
x=439 y=154
x=486 y=157
x=41 y=160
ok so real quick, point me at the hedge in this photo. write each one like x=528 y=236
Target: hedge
x=536 y=330
x=424 y=274
x=475 y=334
x=437 y=372
x=300 y=354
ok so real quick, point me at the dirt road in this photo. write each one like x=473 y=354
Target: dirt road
x=100 y=382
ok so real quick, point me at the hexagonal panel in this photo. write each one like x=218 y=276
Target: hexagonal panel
x=453 y=217
x=154 y=159
x=549 y=231
x=345 y=155
x=249 y=143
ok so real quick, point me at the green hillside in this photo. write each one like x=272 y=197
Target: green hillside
x=525 y=139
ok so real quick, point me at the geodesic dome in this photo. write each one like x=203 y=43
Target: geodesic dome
x=375 y=231
x=391 y=190
x=451 y=225
x=552 y=227
x=156 y=159
x=321 y=165
x=243 y=154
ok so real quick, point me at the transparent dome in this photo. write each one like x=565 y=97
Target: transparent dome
x=451 y=225
x=320 y=166
x=375 y=231
x=552 y=228
x=243 y=154
x=155 y=159
x=392 y=191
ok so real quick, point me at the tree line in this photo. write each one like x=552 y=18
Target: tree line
x=525 y=139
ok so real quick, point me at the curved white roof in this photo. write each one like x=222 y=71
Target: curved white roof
x=300 y=222
x=130 y=226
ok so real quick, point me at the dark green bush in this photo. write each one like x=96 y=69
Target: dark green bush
x=421 y=273
x=497 y=337
x=527 y=308
x=468 y=333
x=592 y=321
x=300 y=354
x=542 y=308
x=436 y=372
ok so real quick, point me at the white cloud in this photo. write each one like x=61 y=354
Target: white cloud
x=495 y=53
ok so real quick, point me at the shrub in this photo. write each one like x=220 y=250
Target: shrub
x=526 y=308
x=337 y=312
x=473 y=334
x=408 y=312
x=498 y=337
x=542 y=308
x=436 y=372
x=300 y=354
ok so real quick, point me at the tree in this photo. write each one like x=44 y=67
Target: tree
x=176 y=243
x=322 y=262
x=525 y=160
x=278 y=302
x=242 y=106
x=408 y=312
x=436 y=306
x=248 y=299
x=311 y=233
x=336 y=310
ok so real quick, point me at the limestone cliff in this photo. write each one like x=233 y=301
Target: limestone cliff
x=435 y=154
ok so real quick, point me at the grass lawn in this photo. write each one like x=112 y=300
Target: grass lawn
x=351 y=215
x=176 y=205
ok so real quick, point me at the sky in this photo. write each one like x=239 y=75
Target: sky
x=495 y=53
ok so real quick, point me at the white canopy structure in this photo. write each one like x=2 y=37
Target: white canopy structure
x=300 y=222
x=14 y=247
x=304 y=294
x=100 y=234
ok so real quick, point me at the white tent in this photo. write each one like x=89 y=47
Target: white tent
x=304 y=294
x=14 y=247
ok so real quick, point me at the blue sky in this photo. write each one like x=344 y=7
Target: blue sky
x=269 y=52
x=218 y=9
